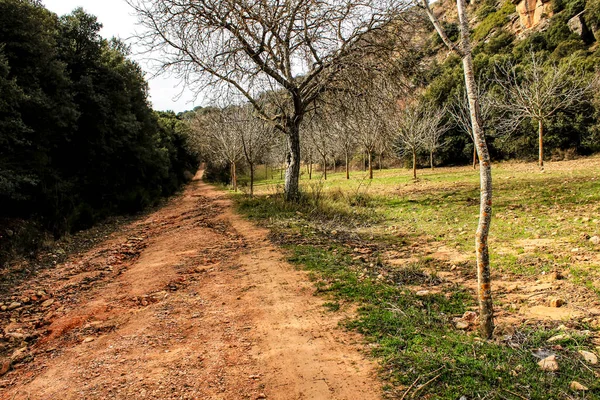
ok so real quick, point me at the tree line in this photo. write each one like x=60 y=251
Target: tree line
x=378 y=119
x=79 y=139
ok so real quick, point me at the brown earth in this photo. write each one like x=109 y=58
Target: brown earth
x=191 y=302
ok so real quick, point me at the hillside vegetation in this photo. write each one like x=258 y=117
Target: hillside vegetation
x=501 y=39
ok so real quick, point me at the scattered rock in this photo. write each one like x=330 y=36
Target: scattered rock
x=47 y=303
x=577 y=386
x=556 y=302
x=261 y=396
x=460 y=324
x=4 y=366
x=549 y=364
x=16 y=335
x=558 y=338
x=88 y=339
x=422 y=293
x=19 y=354
x=469 y=316
x=589 y=357
x=13 y=305
x=577 y=26
x=595 y=240
x=555 y=276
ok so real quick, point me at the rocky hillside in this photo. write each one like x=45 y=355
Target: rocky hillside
x=554 y=32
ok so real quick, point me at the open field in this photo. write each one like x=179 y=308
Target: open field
x=403 y=253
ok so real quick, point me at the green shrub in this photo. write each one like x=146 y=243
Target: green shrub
x=493 y=20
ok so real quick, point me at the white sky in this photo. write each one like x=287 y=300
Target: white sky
x=118 y=20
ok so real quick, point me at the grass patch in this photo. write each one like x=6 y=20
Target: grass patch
x=415 y=338
x=341 y=229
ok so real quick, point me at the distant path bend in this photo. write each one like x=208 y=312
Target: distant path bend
x=209 y=309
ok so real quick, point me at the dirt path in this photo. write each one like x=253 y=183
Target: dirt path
x=192 y=302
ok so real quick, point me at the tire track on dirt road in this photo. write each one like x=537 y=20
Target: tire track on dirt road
x=209 y=310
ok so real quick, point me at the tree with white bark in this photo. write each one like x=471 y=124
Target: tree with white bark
x=295 y=48
x=538 y=92
x=463 y=49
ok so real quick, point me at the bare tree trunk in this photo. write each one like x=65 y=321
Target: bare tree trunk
x=292 y=174
x=325 y=167
x=474 y=156
x=347 y=166
x=234 y=177
x=541 y=143
x=311 y=167
x=369 y=156
x=486 y=309
x=414 y=154
x=431 y=159
x=251 y=179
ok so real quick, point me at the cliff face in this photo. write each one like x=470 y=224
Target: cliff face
x=531 y=13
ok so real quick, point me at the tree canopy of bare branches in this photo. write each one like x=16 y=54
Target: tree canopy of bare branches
x=459 y=111
x=218 y=139
x=538 y=92
x=253 y=47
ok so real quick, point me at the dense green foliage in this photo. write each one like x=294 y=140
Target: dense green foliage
x=78 y=138
x=569 y=132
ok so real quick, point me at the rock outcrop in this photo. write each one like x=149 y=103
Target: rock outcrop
x=532 y=12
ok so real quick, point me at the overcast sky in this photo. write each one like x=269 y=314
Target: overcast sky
x=117 y=20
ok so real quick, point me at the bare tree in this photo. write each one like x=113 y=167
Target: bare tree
x=294 y=48
x=459 y=111
x=538 y=92
x=255 y=135
x=435 y=128
x=464 y=50
x=364 y=113
x=321 y=138
x=408 y=126
x=308 y=151
x=344 y=139
x=219 y=140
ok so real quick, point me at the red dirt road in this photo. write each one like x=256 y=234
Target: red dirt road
x=191 y=302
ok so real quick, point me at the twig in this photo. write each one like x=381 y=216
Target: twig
x=539 y=293
x=591 y=370
x=515 y=394
x=410 y=387
x=426 y=383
